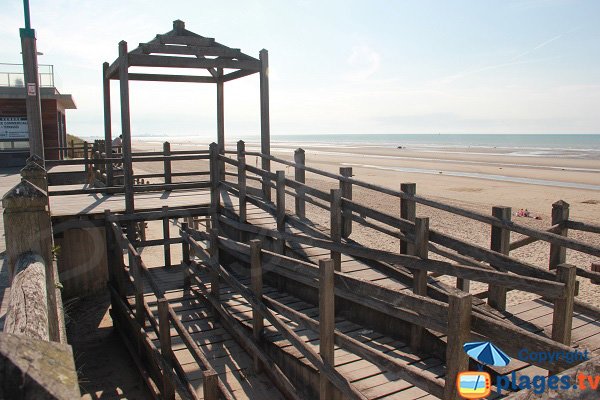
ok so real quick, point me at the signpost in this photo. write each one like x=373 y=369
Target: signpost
x=32 y=100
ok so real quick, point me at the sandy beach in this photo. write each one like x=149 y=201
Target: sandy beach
x=492 y=178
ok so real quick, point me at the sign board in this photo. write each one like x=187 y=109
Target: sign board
x=13 y=128
x=31 y=91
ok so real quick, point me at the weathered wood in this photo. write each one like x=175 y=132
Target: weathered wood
x=256 y=278
x=595 y=268
x=107 y=122
x=215 y=197
x=221 y=121
x=500 y=242
x=326 y=323
x=242 y=184
x=420 y=275
x=265 y=125
x=193 y=50
x=459 y=332
x=335 y=225
x=300 y=176
x=560 y=215
x=280 y=213
x=562 y=319
x=168 y=389
x=534 y=285
x=26 y=229
x=136 y=271
x=407 y=212
x=166 y=236
x=167 y=162
x=215 y=258
x=27 y=313
x=408 y=372
x=171 y=78
x=346 y=193
x=37 y=369
x=126 y=132
x=187 y=40
x=210 y=385
x=517 y=244
x=583 y=226
x=144 y=60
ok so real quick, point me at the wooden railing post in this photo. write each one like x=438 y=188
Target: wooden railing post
x=164 y=327
x=215 y=197
x=85 y=152
x=280 y=213
x=562 y=319
x=560 y=215
x=257 y=288
x=335 y=224
x=185 y=256
x=300 y=176
x=419 y=275
x=459 y=332
x=72 y=148
x=214 y=252
x=210 y=383
x=500 y=242
x=326 y=324
x=408 y=211
x=138 y=284
x=243 y=209
x=167 y=162
x=346 y=192
x=166 y=236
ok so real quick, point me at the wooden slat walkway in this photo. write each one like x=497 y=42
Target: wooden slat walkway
x=95 y=204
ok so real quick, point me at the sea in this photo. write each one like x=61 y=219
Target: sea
x=581 y=146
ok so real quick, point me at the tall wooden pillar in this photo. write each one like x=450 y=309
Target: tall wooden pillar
x=265 y=128
x=32 y=87
x=107 y=123
x=221 y=120
x=126 y=130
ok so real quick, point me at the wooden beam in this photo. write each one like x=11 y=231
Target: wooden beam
x=562 y=319
x=144 y=60
x=237 y=74
x=188 y=40
x=171 y=78
x=326 y=324
x=459 y=332
x=126 y=131
x=107 y=123
x=500 y=242
x=407 y=212
x=265 y=126
x=300 y=176
x=256 y=276
x=560 y=216
x=211 y=51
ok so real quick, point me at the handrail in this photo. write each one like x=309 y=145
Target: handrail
x=509 y=225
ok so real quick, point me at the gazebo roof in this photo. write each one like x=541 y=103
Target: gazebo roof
x=181 y=48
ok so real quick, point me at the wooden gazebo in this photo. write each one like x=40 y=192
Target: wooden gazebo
x=173 y=50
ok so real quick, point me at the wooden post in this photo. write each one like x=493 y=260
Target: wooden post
x=595 y=268
x=346 y=192
x=265 y=128
x=420 y=275
x=167 y=162
x=280 y=217
x=560 y=215
x=241 y=175
x=500 y=242
x=257 y=288
x=164 y=327
x=335 y=225
x=221 y=121
x=562 y=319
x=107 y=123
x=185 y=256
x=214 y=252
x=138 y=283
x=166 y=236
x=86 y=156
x=72 y=148
x=326 y=324
x=459 y=332
x=27 y=228
x=300 y=176
x=126 y=131
x=33 y=98
x=215 y=197
x=210 y=384
x=408 y=211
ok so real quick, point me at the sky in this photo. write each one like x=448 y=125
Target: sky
x=480 y=66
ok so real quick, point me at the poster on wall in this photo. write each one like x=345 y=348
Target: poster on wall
x=13 y=128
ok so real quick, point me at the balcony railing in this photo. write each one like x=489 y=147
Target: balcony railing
x=11 y=75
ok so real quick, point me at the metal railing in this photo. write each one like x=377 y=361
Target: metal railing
x=11 y=75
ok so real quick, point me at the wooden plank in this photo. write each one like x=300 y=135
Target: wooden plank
x=143 y=60
x=326 y=323
x=171 y=78
x=211 y=51
x=187 y=40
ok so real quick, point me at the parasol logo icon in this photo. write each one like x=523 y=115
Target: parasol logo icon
x=477 y=384
x=486 y=353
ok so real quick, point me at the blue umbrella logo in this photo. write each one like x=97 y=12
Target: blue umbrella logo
x=486 y=353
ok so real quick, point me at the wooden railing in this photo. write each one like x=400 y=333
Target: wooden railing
x=123 y=280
